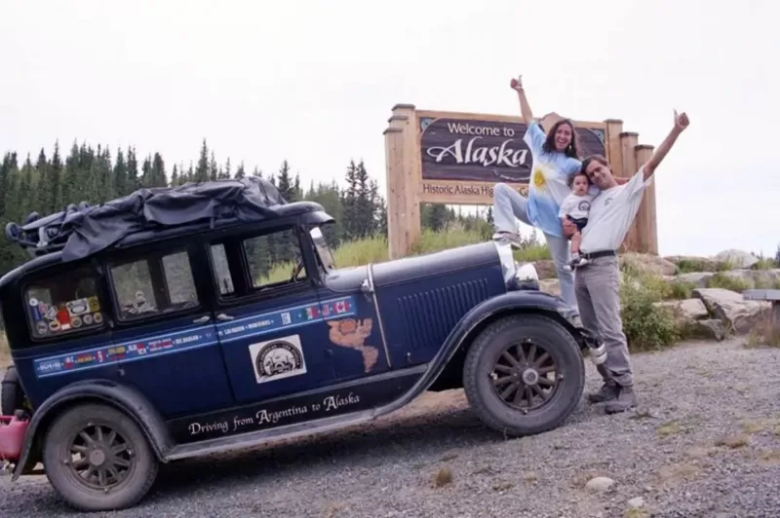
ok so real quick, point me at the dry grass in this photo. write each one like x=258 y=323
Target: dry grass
x=442 y=478
x=754 y=426
x=530 y=476
x=670 y=428
x=734 y=442
x=764 y=334
x=332 y=509
x=677 y=472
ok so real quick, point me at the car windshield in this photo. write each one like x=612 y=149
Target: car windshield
x=323 y=250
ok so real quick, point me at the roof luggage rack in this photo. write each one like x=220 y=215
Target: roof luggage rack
x=81 y=230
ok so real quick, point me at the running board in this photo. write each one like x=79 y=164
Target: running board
x=343 y=405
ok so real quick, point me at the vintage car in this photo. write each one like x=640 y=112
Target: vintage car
x=178 y=322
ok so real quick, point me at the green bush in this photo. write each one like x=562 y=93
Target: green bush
x=681 y=290
x=646 y=325
x=728 y=282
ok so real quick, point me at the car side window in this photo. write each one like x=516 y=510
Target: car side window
x=158 y=283
x=64 y=304
x=275 y=259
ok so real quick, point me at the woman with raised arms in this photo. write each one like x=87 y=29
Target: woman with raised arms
x=556 y=157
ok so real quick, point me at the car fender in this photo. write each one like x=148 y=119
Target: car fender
x=122 y=397
x=508 y=303
x=476 y=319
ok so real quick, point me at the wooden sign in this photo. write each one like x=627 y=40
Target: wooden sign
x=457 y=158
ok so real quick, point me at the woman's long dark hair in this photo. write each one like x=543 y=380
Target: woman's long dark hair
x=572 y=150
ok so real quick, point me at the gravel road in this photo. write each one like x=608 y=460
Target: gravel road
x=704 y=442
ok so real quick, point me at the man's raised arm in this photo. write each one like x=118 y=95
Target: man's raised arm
x=680 y=123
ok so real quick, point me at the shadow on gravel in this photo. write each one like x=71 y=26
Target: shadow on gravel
x=413 y=439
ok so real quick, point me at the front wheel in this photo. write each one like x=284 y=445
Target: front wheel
x=524 y=375
x=98 y=459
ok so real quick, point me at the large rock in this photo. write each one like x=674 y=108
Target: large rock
x=647 y=263
x=545 y=268
x=551 y=286
x=737 y=258
x=710 y=329
x=688 y=310
x=738 y=315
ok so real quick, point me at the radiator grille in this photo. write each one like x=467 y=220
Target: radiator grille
x=429 y=316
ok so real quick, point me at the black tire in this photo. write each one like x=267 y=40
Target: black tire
x=11 y=393
x=479 y=379
x=63 y=438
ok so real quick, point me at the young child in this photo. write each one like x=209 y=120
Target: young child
x=576 y=207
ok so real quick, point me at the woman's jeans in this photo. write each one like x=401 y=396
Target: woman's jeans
x=508 y=204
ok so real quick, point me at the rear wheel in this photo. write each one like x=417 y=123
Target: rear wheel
x=524 y=374
x=98 y=459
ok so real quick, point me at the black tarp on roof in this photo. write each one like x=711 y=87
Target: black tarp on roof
x=82 y=231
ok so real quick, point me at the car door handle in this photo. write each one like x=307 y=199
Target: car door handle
x=223 y=317
x=201 y=320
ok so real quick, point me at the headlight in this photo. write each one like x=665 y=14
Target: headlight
x=526 y=277
x=508 y=265
x=527 y=272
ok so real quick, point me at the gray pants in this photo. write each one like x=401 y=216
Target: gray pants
x=597 y=286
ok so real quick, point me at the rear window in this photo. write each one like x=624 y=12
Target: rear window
x=64 y=304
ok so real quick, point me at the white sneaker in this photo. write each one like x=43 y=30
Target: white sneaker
x=514 y=239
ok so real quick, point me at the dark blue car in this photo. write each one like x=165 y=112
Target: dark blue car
x=178 y=322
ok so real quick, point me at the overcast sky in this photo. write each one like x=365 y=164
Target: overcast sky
x=314 y=82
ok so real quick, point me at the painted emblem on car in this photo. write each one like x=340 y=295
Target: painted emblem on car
x=277 y=359
x=353 y=333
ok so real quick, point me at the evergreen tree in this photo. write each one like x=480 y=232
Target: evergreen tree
x=240 y=173
x=121 y=179
x=202 y=171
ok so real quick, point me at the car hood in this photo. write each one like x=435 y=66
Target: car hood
x=413 y=268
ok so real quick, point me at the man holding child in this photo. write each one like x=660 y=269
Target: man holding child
x=597 y=283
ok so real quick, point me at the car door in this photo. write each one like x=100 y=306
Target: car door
x=270 y=322
x=165 y=335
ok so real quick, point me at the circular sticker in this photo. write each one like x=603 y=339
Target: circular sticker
x=76 y=322
x=77 y=307
x=33 y=302
x=278 y=357
x=98 y=318
x=41 y=328
x=87 y=319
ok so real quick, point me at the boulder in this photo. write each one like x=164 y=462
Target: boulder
x=738 y=315
x=737 y=258
x=709 y=329
x=647 y=263
x=545 y=268
x=600 y=484
x=688 y=310
x=551 y=286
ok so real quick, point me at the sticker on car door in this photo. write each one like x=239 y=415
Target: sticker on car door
x=277 y=359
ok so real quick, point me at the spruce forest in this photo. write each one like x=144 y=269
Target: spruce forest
x=52 y=180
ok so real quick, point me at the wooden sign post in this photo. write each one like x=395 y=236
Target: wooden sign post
x=457 y=158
